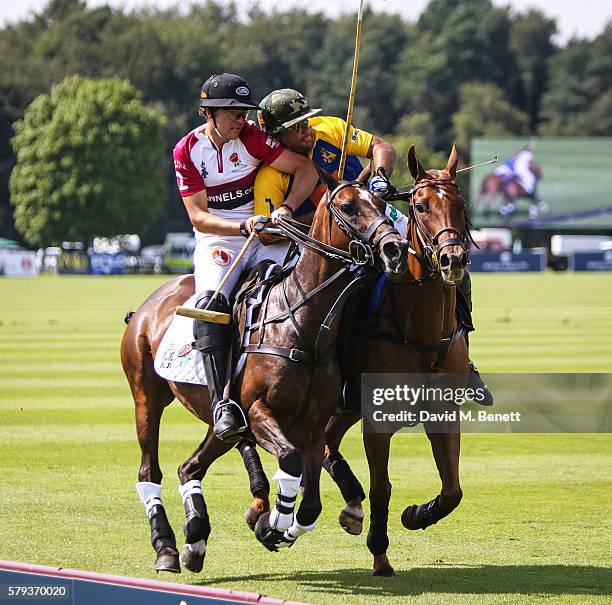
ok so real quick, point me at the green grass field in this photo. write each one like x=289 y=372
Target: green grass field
x=533 y=525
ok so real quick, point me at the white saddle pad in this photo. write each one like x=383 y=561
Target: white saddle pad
x=175 y=359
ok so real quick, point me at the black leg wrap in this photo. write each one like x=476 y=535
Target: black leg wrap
x=291 y=463
x=378 y=540
x=258 y=482
x=340 y=471
x=421 y=517
x=197 y=524
x=307 y=515
x=161 y=533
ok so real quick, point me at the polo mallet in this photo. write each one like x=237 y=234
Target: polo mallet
x=495 y=159
x=216 y=316
x=349 y=115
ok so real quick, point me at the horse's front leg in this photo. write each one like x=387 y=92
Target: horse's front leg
x=351 y=516
x=446 y=449
x=377 y=452
x=197 y=524
x=271 y=526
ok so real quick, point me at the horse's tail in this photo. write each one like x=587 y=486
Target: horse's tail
x=128 y=316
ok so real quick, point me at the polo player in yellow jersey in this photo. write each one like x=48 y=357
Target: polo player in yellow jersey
x=286 y=115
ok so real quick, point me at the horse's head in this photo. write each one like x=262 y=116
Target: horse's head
x=438 y=216
x=358 y=223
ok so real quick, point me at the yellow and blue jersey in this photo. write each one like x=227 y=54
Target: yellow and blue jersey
x=272 y=187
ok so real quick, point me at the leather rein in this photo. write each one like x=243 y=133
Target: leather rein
x=360 y=254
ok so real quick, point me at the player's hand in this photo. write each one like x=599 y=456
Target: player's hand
x=284 y=211
x=255 y=224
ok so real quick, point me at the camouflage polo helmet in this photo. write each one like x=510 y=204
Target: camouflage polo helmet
x=282 y=109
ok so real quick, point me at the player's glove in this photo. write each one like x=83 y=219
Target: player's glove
x=254 y=223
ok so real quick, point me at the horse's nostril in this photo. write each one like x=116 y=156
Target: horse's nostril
x=464 y=260
x=445 y=261
x=392 y=250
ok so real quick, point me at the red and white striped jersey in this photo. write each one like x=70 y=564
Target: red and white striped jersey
x=227 y=174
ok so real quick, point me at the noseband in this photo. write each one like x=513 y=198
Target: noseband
x=362 y=244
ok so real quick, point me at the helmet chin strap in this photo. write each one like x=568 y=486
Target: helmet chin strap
x=223 y=139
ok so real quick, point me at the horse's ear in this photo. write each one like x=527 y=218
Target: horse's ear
x=453 y=160
x=414 y=165
x=327 y=179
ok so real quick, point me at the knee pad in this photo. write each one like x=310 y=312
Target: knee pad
x=210 y=336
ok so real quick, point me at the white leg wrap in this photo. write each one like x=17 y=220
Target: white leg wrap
x=191 y=487
x=288 y=486
x=198 y=548
x=296 y=530
x=150 y=494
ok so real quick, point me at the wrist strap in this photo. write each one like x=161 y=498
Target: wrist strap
x=287 y=206
x=243 y=229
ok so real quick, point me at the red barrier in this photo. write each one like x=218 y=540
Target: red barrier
x=181 y=589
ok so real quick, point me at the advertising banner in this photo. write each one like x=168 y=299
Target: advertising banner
x=507 y=262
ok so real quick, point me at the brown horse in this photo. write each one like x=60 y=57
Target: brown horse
x=290 y=382
x=415 y=330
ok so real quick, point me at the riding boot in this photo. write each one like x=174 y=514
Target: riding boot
x=213 y=341
x=464 y=314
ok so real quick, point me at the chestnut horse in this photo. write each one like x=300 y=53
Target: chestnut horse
x=290 y=383
x=415 y=330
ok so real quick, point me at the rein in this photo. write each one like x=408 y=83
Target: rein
x=361 y=253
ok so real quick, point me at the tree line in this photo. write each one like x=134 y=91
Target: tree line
x=465 y=68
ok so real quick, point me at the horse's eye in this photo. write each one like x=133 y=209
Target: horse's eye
x=420 y=208
x=348 y=208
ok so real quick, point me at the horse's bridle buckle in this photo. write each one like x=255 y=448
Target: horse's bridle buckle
x=361 y=253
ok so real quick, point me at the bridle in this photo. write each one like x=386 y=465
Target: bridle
x=432 y=245
x=362 y=246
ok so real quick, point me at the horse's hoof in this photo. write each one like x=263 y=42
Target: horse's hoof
x=168 y=560
x=409 y=517
x=271 y=538
x=192 y=559
x=350 y=523
x=251 y=517
x=382 y=567
x=386 y=572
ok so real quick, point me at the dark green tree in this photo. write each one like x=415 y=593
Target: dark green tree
x=484 y=111
x=580 y=88
x=455 y=41
x=89 y=157
x=531 y=41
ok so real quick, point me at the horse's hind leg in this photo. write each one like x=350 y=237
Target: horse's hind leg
x=197 y=524
x=258 y=482
x=446 y=449
x=351 y=516
x=151 y=395
x=377 y=451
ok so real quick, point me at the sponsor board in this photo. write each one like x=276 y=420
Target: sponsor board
x=19 y=263
x=591 y=261
x=507 y=262
x=108 y=264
